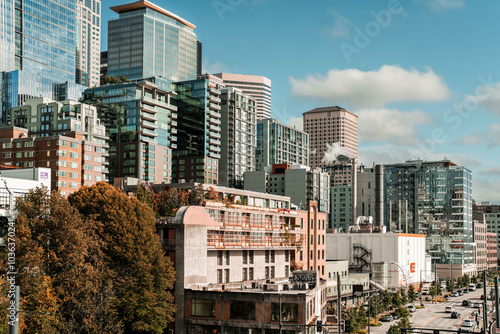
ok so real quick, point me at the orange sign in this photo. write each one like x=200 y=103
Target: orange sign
x=412 y=267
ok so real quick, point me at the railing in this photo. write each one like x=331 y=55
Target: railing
x=168 y=242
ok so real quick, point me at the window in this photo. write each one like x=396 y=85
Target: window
x=245 y=274
x=245 y=257
x=273 y=255
x=226 y=275
x=250 y=257
x=228 y=257
x=267 y=272
x=203 y=308
x=267 y=256
x=250 y=273
x=73 y=155
x=219 y=275
x=289 y=312
x=243 y=310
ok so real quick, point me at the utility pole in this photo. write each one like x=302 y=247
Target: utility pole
x=496 y=302
x=339 y=310
x=485 y=304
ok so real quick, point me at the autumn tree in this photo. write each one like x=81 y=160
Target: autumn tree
x=141 y=273
x=63 y=286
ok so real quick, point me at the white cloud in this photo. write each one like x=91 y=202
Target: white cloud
x=333 y=151
x=471 y=140
x=341 y=26
x=216 y=67
x=442 y=5
x=390 y=125
x=487 y=96
x=491 y=171
x=485 y=189
x=356 y=88
x=296 y=122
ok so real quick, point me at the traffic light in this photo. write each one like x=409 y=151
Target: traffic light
x=319 y=326
x=347 y=326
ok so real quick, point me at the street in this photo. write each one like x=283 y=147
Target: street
x=434 y=316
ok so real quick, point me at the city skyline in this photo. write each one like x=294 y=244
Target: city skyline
x=375 y=49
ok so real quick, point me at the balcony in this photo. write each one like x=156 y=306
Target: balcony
x=149 y=125
x=214 y=99
x=214 y=155
x=214 y=128
x=149 y=133
x=149 y=117
x=214 y=121
x=173 y=115
x=214 y=90
x=173 y=145
x=214 y=106
x=214 y=148
x=214 y=141
x=152 y=101
x=215 y=114
x=148 y=108
x=214 y=135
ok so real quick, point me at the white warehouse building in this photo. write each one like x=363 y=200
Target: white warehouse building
x=394 y=259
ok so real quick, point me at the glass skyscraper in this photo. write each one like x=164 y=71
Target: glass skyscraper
x=147 y=40
x=435 y=199
x=38 y=41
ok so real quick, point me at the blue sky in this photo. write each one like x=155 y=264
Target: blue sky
x=423 y=76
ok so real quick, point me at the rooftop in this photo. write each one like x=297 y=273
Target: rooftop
x=146 y=4
x=327 y=109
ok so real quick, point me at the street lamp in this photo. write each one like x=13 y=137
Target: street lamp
x=370 y=310
x=404 y=276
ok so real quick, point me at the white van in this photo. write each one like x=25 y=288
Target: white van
x=472 y=287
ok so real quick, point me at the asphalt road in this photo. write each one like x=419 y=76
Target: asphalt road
x=434 y=316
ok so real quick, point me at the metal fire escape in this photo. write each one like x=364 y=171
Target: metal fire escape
x=361 y=259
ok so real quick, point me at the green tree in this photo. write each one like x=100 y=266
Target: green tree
x=386 y=300
x=403 y=322
x=412 y=296
x=141 y=273
x=404 y=296
x=123 y=78
x=396 y=299
x=450 y=286
x=146 y=196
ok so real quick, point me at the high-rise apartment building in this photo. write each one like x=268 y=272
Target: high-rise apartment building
x=88 y=42
x=491 y=216
x=141 y=122
x=147 y=40
x=370 y=193
x=329 y=125
x=198 y=150
x=480 y=245
x=433 y=198
x=238 y=137
x=280 y=144
x=257 y=87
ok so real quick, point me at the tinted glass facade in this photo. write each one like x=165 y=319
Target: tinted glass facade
x=436 y=198
x=144 y=42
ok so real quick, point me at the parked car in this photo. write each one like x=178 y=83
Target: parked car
x=394 y=316
x=472 y=287
x=447 y=297
x=411 y=308
x=465 y=302
x=387 y=318
x=468 y=323
x=455 y=315
x=449 y=309
x=455 y=294
x=466 y=290
x=479 y=285
x=477 y=305
x=460 y=292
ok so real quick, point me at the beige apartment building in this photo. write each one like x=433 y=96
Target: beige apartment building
x=255 y=86
x=328 y=125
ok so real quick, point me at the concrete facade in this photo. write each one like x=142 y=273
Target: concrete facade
x=480 y=248
x=380 y=254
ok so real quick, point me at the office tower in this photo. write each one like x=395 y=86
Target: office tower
x=280 y=144
x=301 y=183
x=329 y=125
x=492 y=241
x=147 y=40
x=88 y=42
x=197 y=155
x=480 y=245
x=73 y=160
x=343 y=183
x=433 y=198
x=141 y=122
x=238 y=137
x=257 y=87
